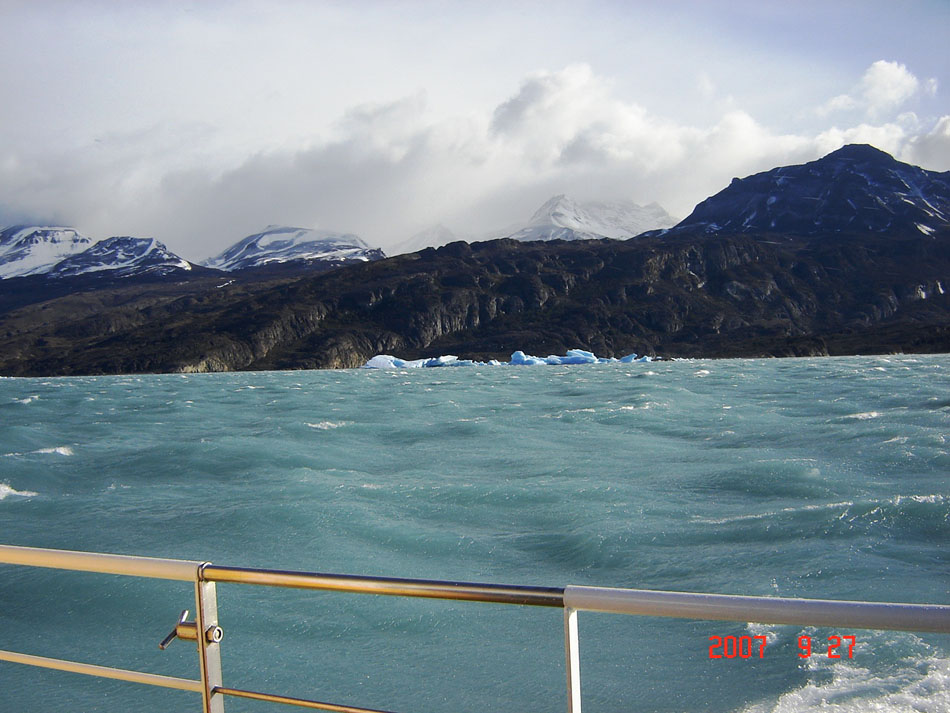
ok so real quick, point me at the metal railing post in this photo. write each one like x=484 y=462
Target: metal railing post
x=209 y=652
x=573 y=661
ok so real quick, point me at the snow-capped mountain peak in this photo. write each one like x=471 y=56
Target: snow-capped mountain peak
x=562 y=218
x=122 y=257
x=857 y=188
x=281 y=244
x=34 y=249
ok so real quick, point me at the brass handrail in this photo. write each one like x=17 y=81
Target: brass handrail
x=392 y=586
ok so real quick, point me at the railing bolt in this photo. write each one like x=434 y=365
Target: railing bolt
x=188 y=630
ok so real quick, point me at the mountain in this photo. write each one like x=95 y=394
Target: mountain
x=434 y=237
x=857 y=188
x=279 y=245
x=849 y=254
x=122 y=257
x=562 y=218
x=34 y=250
x=682 y=295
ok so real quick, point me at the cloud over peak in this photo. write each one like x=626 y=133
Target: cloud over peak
x=385 y=170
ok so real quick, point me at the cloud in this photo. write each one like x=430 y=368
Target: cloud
x=932 y=149
x=885 y=86
x=386 y=170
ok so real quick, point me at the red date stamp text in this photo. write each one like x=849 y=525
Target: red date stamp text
x=747 y=647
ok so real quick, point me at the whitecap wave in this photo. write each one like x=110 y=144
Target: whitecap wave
x=327 y=425
x=921 y=686
x=58 y=450
x=6 y=491
x=773 y=513
x=865 y=416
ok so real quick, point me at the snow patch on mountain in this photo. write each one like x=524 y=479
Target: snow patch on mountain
x=122 y=257
x=35 y=250
x=281 y=244
x=562 y=218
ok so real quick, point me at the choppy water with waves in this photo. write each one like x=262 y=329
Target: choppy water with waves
x=800 y=477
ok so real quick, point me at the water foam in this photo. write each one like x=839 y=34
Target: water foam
x=919 y=686
x=58 y=450
x=6 y=491
x=327 y=425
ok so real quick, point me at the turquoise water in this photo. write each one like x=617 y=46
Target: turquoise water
x=799 y=477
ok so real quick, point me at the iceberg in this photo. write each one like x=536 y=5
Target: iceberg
x=518 y=358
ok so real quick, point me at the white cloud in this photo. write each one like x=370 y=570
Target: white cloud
x=386 y=170
x=932 y=149
x=885 y=86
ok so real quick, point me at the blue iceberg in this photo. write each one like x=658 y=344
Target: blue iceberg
x=519 y=358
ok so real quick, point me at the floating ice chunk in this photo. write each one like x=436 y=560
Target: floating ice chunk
x=518 y=358
x=386 y=361
x=381 y=361
x=447 y=360
x=577 y=356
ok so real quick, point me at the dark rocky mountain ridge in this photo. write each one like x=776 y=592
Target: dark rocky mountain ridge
x=736 y=295
x=854 y=189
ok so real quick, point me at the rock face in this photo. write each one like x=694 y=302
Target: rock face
x=281 y=245
x=854 y=189
x=35 y=250
x=561 y=218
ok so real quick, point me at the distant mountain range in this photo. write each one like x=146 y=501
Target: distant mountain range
x=57 y=253
x=847 y=254
x=60 y=252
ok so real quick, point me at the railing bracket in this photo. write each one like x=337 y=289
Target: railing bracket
x=188 y=630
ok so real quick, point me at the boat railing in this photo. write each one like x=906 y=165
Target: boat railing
x=206 y=632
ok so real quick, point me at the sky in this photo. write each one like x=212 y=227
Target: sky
x=201 y=123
